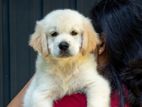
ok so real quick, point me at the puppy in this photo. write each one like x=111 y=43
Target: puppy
x=65 y=41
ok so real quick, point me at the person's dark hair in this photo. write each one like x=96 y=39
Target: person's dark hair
x=120 y=22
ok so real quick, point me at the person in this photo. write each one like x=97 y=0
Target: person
x=119 y=24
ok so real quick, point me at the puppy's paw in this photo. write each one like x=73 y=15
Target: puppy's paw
x=95 y=104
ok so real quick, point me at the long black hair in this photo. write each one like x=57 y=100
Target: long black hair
x=120 y=22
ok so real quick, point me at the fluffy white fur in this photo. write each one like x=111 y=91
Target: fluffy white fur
x=59 y=73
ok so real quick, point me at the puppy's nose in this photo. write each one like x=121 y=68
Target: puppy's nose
x=63 y=46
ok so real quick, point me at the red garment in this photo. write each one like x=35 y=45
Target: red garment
x=79 y=100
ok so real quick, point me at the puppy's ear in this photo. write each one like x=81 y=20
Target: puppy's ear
x=90 y=38
x=38 y=40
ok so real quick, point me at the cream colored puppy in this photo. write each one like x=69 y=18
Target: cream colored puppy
x=65 y=41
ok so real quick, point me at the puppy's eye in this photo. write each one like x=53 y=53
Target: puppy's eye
x=54 y=34
x=74 y=33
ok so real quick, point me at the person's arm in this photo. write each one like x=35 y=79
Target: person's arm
x=18 y=100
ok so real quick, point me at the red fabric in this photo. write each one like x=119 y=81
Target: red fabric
x=79 y=100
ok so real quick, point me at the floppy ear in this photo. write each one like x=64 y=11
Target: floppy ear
x=38 y=40
x=90 y=38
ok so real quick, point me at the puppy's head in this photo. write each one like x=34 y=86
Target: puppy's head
x=64 y=33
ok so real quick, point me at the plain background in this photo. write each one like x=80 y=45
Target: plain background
x=17 y=21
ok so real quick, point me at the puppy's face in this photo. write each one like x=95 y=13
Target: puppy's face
x=64 y=33
x=64 y=42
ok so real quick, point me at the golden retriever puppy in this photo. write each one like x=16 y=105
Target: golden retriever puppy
x=65 y=41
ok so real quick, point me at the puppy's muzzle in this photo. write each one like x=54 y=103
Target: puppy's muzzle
x=64 y=49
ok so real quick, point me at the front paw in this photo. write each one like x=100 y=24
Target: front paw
x=40 y=100
x=98 y=101
x=98 y=105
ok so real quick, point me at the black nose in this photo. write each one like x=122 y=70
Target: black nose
x=63 y=46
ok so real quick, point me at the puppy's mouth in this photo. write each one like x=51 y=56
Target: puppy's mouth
x=64 y=54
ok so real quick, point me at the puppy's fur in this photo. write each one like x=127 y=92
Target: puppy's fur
x=65 y=41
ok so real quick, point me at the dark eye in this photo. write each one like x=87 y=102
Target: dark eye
x=74 y=33
x=54 y=34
